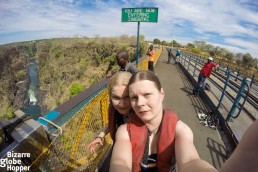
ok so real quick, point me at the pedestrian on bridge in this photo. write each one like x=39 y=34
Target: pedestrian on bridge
x=154 y=137
x=122 y=59
x=204 y=73
x=151 y=53
x=170 y=55
x=119 y=107
x=178 y=53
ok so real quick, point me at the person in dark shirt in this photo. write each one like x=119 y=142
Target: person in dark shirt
x=170 y=55
x=122 y=59
x=178 y=53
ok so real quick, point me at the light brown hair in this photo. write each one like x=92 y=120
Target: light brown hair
x=146 y=75
x=120 y=78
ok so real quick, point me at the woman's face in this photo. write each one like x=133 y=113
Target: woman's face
x=120 y=99
x=146 y=99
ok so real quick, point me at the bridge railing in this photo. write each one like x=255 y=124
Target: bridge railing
x=230 y=91
x=81 y=119
x=220 y=79
x=231 y=65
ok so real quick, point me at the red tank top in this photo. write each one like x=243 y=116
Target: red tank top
x=166 y=146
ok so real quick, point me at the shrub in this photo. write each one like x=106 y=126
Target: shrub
x=94 y=80
x=9 y=114
x=83 y=63
x=206 y=54
x=75 y=89
x=20 y=74
x=196 y=50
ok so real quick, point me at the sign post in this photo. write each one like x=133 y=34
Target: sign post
x=137 y=47
x=139 y=15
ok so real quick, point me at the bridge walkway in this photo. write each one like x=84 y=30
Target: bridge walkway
x=178 y=98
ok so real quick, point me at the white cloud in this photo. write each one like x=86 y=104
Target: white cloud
x=218 y=22
x=248 y=46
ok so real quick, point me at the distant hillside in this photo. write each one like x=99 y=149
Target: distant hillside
x=66 y=67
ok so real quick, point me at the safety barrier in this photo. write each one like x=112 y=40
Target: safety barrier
x=225 y=86
x=81 y=119
x=239 y=70
x=194 y=63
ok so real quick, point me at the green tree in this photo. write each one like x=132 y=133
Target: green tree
x=75 y=89
x=239 y=62
x=156 y=41
x=196 y=50
x=223 y=52
x=20 y=74
x=239 y=56
x=209 y=48
x=206 y=53
x=229 y=56
x=190 y=45
x=10 y=111
x=176 y=44
x=200 y=44
x=215 y=51
x=142 y=37
x=247 y=60
x=164 y=43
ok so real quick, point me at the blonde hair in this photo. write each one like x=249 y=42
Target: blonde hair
x=120 y=78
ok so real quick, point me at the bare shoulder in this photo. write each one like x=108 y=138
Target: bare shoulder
x=183 y=130
x=122 y=133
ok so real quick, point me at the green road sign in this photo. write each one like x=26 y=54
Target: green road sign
x=139 y=14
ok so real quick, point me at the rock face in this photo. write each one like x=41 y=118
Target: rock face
x=21 y=98
x=41 y=96
x=14 y=78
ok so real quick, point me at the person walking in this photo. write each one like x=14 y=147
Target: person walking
x=150 y=53
x=204 y=73
x=178 y=53
x=170 y=55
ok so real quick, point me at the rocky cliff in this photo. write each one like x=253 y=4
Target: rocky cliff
x=14 y=81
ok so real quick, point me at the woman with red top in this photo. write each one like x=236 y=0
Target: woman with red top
x=148 y=133
x=154 y=137
x=119 y=107
x=204 y=73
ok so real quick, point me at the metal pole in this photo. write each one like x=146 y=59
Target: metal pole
x=224 y=90
x=238 y=71
x=236 y=102
x=172 y=43
x=251 y=83
x=138 y=30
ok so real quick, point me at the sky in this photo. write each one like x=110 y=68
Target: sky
x=231 y=24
